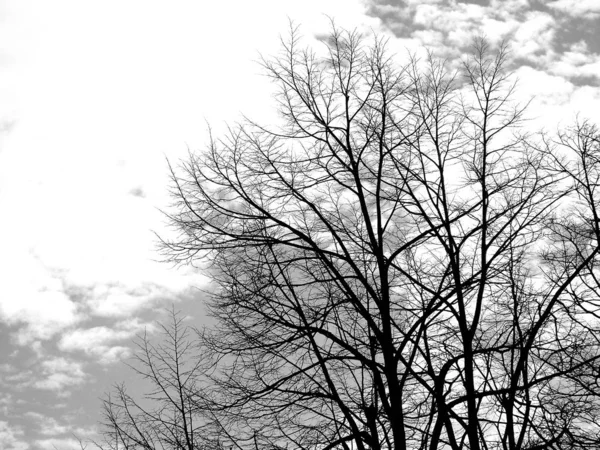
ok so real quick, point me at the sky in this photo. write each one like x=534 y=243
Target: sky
x=95 y=96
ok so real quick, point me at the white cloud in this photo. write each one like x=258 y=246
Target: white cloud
x=48 y=426
x=497 y=30
x=533 y=38
x=448 y=27
x=12 y=377
x=88 y=339
x=33 y=296
x=585 y=102
x=556 y=100
x=462 y=16
x=6 y=402
x=577 y=62
x=583 y=9
x=117 y=300
x=58 y=444
x=550 y=89
x=11 y=437
x=508 y=8
x=96 y=126
x=423 y=2
x=387 y=8
x=101 y=342
x=549 y=94
x=58 y=374
x=555 y=77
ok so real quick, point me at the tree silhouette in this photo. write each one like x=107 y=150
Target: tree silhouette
x=170 y=416
x=400 y=265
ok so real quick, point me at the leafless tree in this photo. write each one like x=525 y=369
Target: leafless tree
x=171 y=414
x=399 y=265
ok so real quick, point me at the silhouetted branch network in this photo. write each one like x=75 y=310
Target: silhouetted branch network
x=400 y=265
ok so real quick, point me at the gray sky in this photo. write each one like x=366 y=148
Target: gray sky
x=94 y=96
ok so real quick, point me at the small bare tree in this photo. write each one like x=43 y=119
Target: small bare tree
x=398 y=266
x=171 y=414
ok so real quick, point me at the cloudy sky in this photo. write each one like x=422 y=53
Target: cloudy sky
x=95 y=95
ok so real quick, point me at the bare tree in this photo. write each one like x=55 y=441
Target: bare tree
x=171 y=415
x=400 y=265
